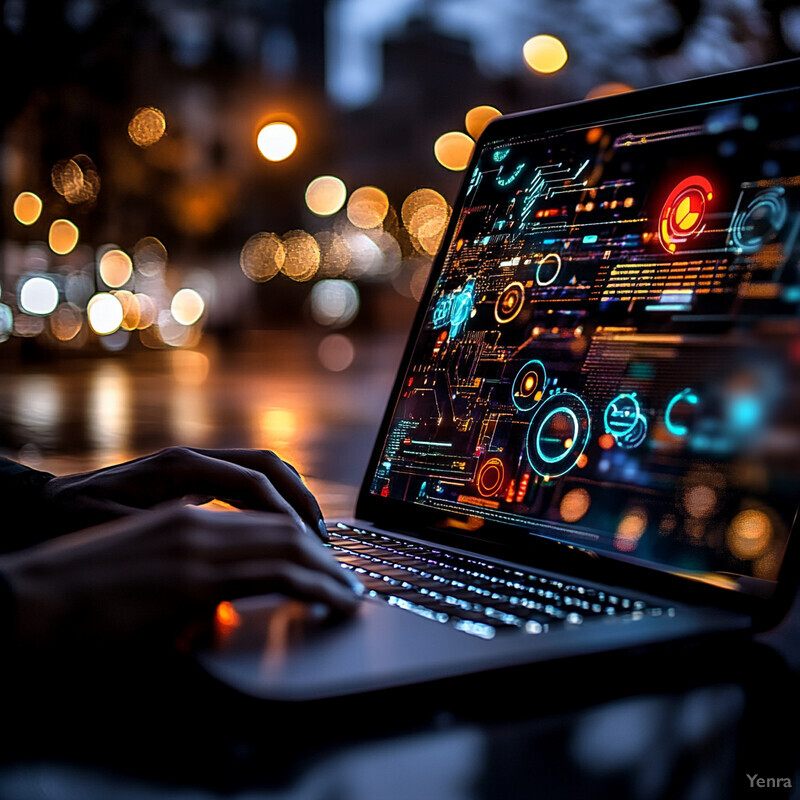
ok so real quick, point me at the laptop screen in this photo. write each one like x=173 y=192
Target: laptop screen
x=610 y=355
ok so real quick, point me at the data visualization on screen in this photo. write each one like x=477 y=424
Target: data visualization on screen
x=611 y=353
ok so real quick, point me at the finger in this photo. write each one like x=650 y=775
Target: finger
x=283 y=476
x=178 y=472
x=261 y=577
x=238 y=537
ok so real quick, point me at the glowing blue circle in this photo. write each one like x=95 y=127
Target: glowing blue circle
x=575 y=431
x=764 y=216
x=686 y=396
x=576 y=409
x=522 y=399
x=548 y=258
x=621 y=414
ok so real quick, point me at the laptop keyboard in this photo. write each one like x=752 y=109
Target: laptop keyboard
x=472 y=595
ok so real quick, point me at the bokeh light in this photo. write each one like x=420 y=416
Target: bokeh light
x=149 y=257
x=335 y=253
x=147 y=126
x=131 y=313
x=453 y=150
x=63 y=236
x=38 y=295
x=334 y=303
x=336 y=352
x=105 y=313
x=389 y=256
x=66 y=177
x=544 y=53
x=425 y=214
x=700 y=501
x=262 y=257
x=302 y=255
x=367 y=207
x=277 y=141
x=630 y=529
x=66 y=322
x=366 y=258
x=115 y=268
x=76 y=179
x=148 y=312
x=749 y=534
x=187 y=306
x=478 y=118
x=172 y=333
x=326 y=195
x=116 y=341
x=574 y=505
x=28 y=326
x=27 y=208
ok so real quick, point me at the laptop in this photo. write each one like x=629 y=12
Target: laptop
x=592 y=441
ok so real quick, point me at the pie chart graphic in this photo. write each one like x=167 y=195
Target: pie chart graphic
x=683 y=212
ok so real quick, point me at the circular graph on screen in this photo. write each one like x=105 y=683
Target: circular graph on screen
x=558 y=434
x=509 y=302
x=528 y=385
x=547 y=269
x=490 y=477
x=684 y=212
x=624 y=420
x=760 y=220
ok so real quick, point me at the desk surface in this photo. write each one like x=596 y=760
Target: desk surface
x=690 y=724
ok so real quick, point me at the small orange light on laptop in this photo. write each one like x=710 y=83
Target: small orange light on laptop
x=226 y=615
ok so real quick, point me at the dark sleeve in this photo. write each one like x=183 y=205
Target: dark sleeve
x=23 y=520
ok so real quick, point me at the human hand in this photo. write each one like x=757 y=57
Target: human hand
x=252 y=479
x=160 y=570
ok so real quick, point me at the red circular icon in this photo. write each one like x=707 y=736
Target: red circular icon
x=683 y=212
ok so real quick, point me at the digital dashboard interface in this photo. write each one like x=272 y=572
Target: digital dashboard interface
x=611 y=353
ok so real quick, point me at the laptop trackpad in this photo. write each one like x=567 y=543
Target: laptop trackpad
x=284 y=649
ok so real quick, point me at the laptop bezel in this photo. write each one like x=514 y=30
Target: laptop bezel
x=516 y=543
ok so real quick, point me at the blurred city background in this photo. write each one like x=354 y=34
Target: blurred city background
x=217 y=218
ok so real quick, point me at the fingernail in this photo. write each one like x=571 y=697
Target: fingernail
x=323 y=531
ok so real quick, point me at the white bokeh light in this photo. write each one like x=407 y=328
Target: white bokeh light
x=105 y=313
x=38 y=295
